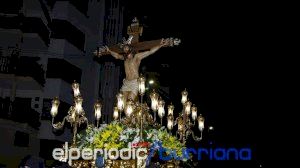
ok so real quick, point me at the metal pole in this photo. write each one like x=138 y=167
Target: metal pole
x=161 y=121
x=184 y=125
x=74 y=132
x=141 y=131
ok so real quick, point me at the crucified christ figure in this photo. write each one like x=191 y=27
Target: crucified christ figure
x=132 y=61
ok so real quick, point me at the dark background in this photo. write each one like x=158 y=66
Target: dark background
x=222 y=61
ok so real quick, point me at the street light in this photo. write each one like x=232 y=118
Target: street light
x=151 y=82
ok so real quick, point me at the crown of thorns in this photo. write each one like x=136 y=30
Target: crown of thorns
x=127 y=42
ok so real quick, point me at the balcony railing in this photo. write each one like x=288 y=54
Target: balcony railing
x=23 y=66
x=5 y=65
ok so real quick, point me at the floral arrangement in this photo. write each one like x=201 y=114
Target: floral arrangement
x=116 y=135
x=105 y=137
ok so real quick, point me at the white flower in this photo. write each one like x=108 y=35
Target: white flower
x=124 y=137
x=90 y=139
x=149 y=135
x=136 y=140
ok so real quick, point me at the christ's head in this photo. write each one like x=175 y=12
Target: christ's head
x=129 y=52
x=127 y=49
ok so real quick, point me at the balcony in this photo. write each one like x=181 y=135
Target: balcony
x=26 y=25
x=30 y=16
x=19 y=111
x=60 y=68
x=36 y=8
x=36 y=25
x=28 y=8
x=81 y=6
x=62 y=29
x=23 y=67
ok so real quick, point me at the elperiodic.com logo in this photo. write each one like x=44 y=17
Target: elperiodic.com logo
x=142 y=153
x=89 y=154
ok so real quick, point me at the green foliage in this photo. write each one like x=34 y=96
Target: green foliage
x=116 y=135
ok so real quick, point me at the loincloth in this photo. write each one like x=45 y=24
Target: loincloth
x=130 y=86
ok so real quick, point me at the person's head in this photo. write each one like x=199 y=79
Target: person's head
x=129 y=52
x=126 y=49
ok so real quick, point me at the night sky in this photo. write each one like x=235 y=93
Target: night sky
x=221 y=61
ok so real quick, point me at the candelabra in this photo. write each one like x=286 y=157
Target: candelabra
x=137 y=113
x=183 y=120
x=76 y=115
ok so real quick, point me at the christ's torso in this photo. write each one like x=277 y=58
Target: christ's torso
x=132 y=68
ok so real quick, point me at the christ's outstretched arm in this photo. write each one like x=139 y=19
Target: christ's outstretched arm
x=114 y=54
x=142 y=55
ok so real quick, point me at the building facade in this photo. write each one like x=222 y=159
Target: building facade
x=44 y=46
x=111 y=69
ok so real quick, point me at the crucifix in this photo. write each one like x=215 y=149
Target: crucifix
x=132 y=51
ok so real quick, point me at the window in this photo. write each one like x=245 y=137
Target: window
x=46 y=109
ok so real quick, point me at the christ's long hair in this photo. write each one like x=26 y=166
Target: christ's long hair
x=130 y=51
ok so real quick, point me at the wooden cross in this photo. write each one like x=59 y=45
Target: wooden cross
x=135 y=31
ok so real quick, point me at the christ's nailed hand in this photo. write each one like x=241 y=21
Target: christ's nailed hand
x=101 y=51
x=163 y=42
